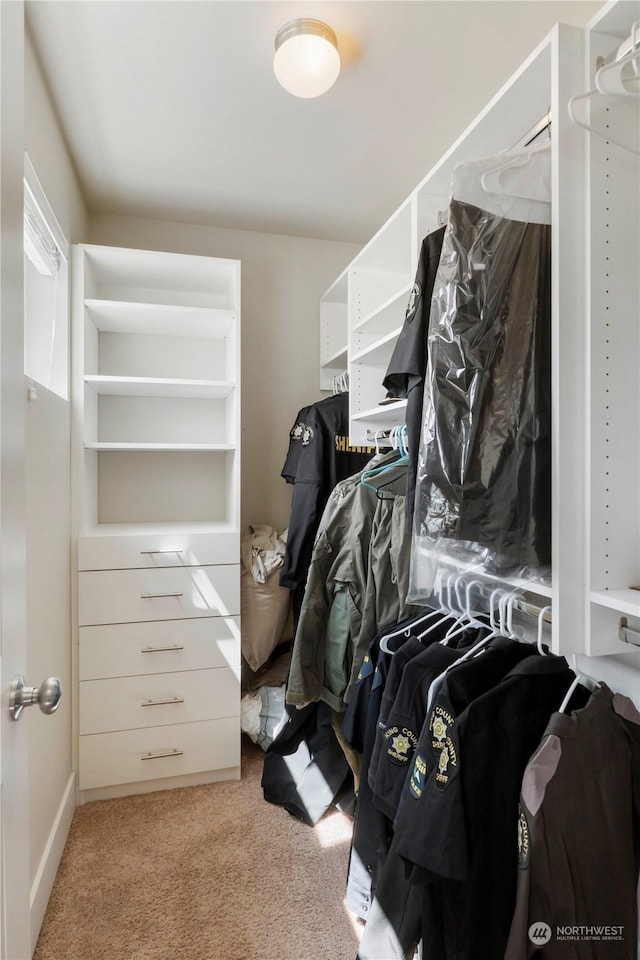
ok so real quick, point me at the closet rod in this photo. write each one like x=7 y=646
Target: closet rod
x=627 y=634
x=543 y=124
x=532 y=609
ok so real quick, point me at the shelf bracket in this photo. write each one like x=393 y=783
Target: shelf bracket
x=627 y=634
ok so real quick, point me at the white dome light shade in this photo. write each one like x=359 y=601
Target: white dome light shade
x=306 y=61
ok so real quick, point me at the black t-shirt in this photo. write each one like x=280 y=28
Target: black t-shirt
x=296 y=434
x=407 y=366
x=321 y=456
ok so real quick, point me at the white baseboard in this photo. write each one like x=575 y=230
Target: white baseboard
x=50 y=861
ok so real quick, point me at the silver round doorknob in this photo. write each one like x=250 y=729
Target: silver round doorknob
x=47 y=696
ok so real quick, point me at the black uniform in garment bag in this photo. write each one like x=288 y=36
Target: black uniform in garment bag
x=408 y=364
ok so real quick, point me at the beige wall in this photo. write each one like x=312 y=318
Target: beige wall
x=282 y=280
x=48 y=511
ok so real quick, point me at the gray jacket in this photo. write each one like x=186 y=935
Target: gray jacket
x=357 y=581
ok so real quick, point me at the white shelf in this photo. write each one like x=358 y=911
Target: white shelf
x=624 y=601
x=384 y=413
x=379 y=352
x=173 y=447
x=337 y=359
x=388 y=312
x=159 y=387
x=120 y=316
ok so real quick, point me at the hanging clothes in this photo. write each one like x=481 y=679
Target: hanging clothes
x=305 y=768
x=454 y=841
x=320 y=454
x=579 y=850
x=483 y=490
x=407 y=366
x=330 y=645
x=372 y=833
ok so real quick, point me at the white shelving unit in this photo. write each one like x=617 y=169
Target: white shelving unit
x=380 y=279
x=158 y=338
x=156 y=376
x=333 y=331
x=595 y=321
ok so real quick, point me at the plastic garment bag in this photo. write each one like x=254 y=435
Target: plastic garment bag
x=483 y=491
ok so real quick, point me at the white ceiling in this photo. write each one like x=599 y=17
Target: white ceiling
x=171 y=109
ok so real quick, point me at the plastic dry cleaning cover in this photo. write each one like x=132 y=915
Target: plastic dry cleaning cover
x=483 y=492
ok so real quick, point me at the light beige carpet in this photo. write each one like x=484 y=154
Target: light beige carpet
x=202 y=873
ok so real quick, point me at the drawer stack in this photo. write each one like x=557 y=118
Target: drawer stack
x=159 y=657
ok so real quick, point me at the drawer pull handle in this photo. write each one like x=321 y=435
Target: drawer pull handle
x=163 y=753
x=175 y=646
x=155 y=596
x=157 y=703
x=146 y=552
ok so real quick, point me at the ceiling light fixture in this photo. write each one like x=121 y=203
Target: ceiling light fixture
x=306 y=62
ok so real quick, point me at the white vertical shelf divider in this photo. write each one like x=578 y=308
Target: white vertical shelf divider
x=568 y=348
x=333 y=331
x=613 y=466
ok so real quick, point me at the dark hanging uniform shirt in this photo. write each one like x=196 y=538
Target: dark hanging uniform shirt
x=324 y=457
x=407 y=366
x=290 y=467
x=399 y=914
x=465 y=833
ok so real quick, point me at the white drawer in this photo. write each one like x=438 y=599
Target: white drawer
x=134 y=755
x=170 y=593
x=127 y=703
x=162 y=646
x=160 y=550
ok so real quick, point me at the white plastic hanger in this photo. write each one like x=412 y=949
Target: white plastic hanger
x=510 y=630
x=581 y=678
x=541 y=649
x=384 y=641
x=609 y=81
x=514 y=162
